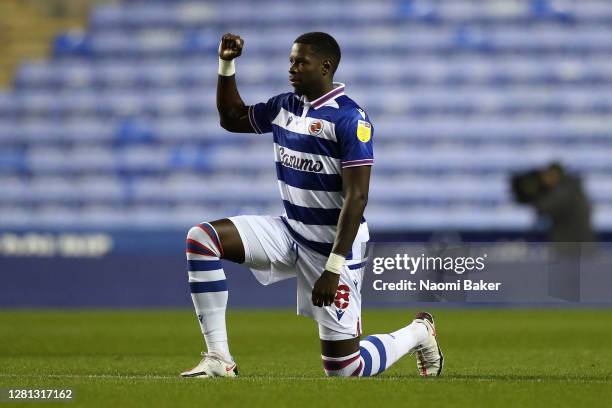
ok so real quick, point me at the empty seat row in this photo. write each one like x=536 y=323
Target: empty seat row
x=377 y=100
x=388 y=218
x=159 y=158
x=160 y=42
x=260 y=191
x=408 y=71
x=195 y=14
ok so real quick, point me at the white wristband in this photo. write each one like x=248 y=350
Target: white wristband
x=226 y=68
x=335 y=263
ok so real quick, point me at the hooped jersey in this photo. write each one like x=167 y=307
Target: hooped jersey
x=313 y=141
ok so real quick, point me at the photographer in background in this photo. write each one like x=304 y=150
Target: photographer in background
x=560 y=197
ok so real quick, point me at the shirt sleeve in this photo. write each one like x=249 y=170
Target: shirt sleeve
x=262 y=114
x=355 y=134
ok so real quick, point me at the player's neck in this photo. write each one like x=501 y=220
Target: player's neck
x=318 y=92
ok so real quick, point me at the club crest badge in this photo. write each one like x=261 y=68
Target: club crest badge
x=315 y=128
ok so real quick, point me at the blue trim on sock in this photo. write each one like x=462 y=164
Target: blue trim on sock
x=357 y=266
x=196 y=266
x=367 y=362
x=212 y=286
x=381 y=351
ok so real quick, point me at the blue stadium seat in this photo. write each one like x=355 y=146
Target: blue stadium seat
x=72 y=43
x=12 y=160
x=8 y=106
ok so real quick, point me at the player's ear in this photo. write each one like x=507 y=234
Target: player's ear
x=327 y=67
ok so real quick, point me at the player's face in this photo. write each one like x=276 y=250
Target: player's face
x=305 y=68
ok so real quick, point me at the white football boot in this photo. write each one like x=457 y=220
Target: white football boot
x=212 y=366
x=430 y=360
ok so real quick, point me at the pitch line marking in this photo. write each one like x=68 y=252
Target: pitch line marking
x=257 y=378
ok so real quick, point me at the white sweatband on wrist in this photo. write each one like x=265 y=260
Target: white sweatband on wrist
x=226 y=68
x=335 y=263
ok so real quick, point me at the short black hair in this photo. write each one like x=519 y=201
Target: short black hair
x=323 y=45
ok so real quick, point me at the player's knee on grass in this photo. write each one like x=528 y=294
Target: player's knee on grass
x=347 y=366
x=340 y=344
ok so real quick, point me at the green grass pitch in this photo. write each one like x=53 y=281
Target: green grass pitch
x=522 y=358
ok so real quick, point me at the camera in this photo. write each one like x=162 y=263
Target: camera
x=530 y=185
x=527 y=186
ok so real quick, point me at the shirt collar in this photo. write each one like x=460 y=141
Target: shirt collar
x=338 y=90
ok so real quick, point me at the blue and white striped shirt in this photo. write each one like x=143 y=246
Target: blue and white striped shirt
x=313 y=141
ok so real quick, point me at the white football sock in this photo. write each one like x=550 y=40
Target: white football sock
x=208 y=287
x=381 y=351
x=377 y=352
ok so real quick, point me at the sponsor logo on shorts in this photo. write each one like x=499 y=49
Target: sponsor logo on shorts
x=342 y=300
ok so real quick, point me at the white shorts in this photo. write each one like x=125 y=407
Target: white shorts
x=273 y=255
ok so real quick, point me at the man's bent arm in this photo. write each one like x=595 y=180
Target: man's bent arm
x=233 y=113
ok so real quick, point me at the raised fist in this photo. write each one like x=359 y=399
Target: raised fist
x=230 y=46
